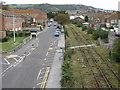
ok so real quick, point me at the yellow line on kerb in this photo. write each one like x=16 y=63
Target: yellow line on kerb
x=45 y=78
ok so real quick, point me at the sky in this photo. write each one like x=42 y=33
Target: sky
x=104 y=4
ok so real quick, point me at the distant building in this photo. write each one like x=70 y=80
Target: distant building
x=6 y=22
x=37 y=15
x=10 y=20
x=74 y=16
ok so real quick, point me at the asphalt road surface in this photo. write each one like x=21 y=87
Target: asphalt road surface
x=26 y=67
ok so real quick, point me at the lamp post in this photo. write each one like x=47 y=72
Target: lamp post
x=14 y=31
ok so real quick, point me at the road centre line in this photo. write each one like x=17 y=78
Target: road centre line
x=6 y=61
x=46 y=53
x=38 y=74
x=45 y=59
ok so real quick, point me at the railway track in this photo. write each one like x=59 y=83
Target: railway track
x=83 y=39
x=106 y=61
x=97 y=84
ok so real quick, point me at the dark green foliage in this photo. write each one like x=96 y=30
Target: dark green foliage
x=4 y=39
x=17 y=34
x=90 y=30
x=66 y=33
x=84 y=28
x=66 y=80
x=4 y=7
x=67 y=54
x=103 y=34
x=78 y=23
x=96 y=34
x=27 y=34
x=51 y=15
x=100 y=33
x=86 y=18
x=116 y=50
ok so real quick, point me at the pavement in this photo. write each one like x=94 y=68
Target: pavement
x=30 y=64
x=55 y=73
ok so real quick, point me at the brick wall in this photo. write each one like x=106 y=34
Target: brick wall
x=2 y=34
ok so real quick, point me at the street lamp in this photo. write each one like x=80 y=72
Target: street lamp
x=14 y=31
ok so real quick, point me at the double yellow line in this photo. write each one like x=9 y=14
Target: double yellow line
x=45 y=78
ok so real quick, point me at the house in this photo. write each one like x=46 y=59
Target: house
x=37 y=15
x=79 y=18
x=9 y=20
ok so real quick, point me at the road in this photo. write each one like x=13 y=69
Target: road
x=27 y=68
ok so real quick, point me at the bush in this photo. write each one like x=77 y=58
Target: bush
x=95 y=34
x=103 y=34
x=79 y=24
x=4 y=39
x=84 y=28
x=90 y=30
x=9 y=33
x=116 y=50
x=66 y=80
x=27 y=34
x=20 y=34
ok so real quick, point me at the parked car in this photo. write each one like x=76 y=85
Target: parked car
x=56 y=34
x=49 y=24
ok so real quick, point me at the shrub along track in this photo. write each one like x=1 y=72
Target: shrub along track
x=89 y=52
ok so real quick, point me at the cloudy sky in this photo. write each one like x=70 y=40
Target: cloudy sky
x=105 y=4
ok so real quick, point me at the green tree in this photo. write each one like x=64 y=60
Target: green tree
x=116 y=50
x=5 y=7
x=51 y=15
x=95 y=34
x=86 y=18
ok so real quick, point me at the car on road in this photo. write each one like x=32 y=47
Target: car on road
x=49 y=24
x=56 y=34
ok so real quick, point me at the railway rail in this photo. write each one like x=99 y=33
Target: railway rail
x=82 y=38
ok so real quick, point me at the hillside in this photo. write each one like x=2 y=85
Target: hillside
x=53 y=8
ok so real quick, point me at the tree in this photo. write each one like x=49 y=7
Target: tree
x=86 y=18
x=95 y=34
x=51 y=15
x=116 y=50
x=5 y=7
x=62 y=18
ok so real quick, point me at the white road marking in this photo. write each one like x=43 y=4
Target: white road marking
x=6 y=69
x=15 y=59
x=6 y=61
x=38 y=83
x=46 y=53
x=33 y=88
x=28 y=54
x=12 y=66
x=45 y=59
x=51 y=45
x=38 y=74
x=28 y=46
x=43 y=68
x=1 y=75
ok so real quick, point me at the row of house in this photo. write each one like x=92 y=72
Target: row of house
x=105 y=19
x=14 y=18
